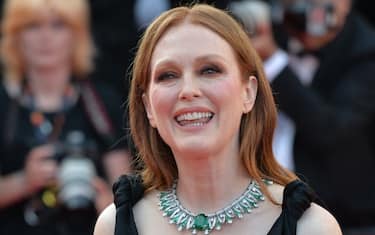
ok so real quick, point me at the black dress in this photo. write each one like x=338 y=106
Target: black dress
x=297 y=198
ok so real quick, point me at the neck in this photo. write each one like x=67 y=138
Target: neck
x=48 y=86
x=203 y=182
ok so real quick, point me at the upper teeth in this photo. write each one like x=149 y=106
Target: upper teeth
x=193 y=116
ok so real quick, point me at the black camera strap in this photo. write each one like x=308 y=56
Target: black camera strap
x=93 y=106
x=97 y=112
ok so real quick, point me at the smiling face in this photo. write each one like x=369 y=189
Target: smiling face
x=197 y=93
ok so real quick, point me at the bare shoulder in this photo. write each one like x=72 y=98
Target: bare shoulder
x=276 y=191
x=105 y=224
x=317 y=220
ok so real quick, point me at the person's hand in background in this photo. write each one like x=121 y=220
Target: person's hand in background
x=103 y=196
x=40 y=169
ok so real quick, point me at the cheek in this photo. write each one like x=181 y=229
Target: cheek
x=27 y=44
x=27 y=53
x=161 y=101
x=66 y=41
x=161 y=106
x=227 y=92
x=65 y=45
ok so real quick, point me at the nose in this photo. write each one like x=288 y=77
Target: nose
x=190 y=88
x=45 y=33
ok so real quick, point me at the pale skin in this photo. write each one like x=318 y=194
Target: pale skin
x=203 y=76
x=47 y=47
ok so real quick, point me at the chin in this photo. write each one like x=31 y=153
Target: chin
x=47 y=61
x=194 y=148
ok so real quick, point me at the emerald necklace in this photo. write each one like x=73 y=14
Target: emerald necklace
x=186 y=220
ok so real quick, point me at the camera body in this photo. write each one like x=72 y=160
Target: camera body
x=76 y=171
x=74 y=191
x=306 y=16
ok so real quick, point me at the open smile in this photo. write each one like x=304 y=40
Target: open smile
x=194 y=118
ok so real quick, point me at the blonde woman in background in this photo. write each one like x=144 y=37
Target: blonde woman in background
x=58 y=130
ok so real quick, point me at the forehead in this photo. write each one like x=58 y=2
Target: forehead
x=46 y=12
x=190 y=40
x=40 y=14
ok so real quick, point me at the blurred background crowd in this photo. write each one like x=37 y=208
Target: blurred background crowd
x=64 y=84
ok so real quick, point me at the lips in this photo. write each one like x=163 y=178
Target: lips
x=194 y=118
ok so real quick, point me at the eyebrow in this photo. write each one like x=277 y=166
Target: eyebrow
x=171 y=61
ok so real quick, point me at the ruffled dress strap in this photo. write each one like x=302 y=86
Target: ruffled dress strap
x=127 y=190
x=297 y=198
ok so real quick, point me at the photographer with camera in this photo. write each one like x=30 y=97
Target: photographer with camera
x=324 y=85
x=58 y=132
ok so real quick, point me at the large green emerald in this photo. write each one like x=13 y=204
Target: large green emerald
x=201 y=222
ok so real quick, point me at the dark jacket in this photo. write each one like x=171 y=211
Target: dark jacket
x=334 y=145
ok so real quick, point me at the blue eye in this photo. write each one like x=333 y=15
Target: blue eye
x=166 y=76
x=210 y=70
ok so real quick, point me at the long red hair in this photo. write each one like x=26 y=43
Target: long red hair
x=257 y=127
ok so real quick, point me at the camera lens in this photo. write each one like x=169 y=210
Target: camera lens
x=75 y=176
